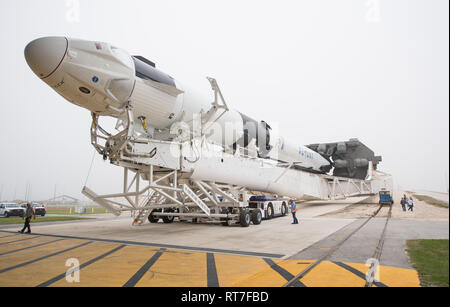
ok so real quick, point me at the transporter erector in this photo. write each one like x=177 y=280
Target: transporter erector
x=201 y=158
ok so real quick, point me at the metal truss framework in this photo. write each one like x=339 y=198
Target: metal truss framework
x=341 y=188
x=168 y=192
x=166 y=197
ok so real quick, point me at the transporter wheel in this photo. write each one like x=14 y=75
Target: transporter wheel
x=6 y=214
x=244 y=218
x=256 y=217
x=168 y=219
x=283 y=209
x=153 y=219
x=270 y=211
x=227 y=222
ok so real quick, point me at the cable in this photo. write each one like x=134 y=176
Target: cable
x=196 y=152
x=90 y=168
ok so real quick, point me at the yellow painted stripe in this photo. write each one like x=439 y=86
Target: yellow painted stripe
x=391 y=276
x=33 y=253
x=231 y=269
x=36 y=273
x=114 y=270
x=4 y=235
x=7 y=239
x=176 y=269
x=267 y=277
x=22 y=244
x=328 y=274
x=295 y=267
x=397 y=277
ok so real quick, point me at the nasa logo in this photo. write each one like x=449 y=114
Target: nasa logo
x=95 y=79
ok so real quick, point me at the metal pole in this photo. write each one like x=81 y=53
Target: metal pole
x=26 y=192
x=175 y=183
x=125 y=179
x=125 y=186
x=151 y=174
x=138 y=179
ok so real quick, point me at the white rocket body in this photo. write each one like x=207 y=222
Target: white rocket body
x=103 y=79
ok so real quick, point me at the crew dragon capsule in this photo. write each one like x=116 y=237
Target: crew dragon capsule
x=103 y=79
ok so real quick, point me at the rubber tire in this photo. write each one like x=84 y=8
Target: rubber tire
x=168 y=219
x=270 y=216
x=153 y=219
x=6 y=214
x=256 y=217
x=283 y=209
x=244 y=218
x=227 y=223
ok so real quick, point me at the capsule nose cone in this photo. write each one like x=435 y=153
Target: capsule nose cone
x=44 y=55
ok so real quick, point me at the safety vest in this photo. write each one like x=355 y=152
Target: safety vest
x=294 y=208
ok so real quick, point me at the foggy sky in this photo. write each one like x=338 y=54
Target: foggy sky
x=324 y=71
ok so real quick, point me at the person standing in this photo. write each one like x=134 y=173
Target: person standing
x=294 y=211
x=410 y=204
x=29 y=213
x=403 y=202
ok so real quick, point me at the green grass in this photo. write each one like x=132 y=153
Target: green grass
x=430 y=259
x=431 y=201
x=19 y=220
x=71 y=210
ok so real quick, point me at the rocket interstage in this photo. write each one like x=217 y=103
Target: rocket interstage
x=105 y=80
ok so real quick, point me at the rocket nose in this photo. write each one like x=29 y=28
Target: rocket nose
x=45 y=55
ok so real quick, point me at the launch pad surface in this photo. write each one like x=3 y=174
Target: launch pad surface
x=40 y=261
x=113 y=253
x=273 y=238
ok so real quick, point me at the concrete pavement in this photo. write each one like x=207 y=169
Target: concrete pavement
x=361 y=246
x=269 y=254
